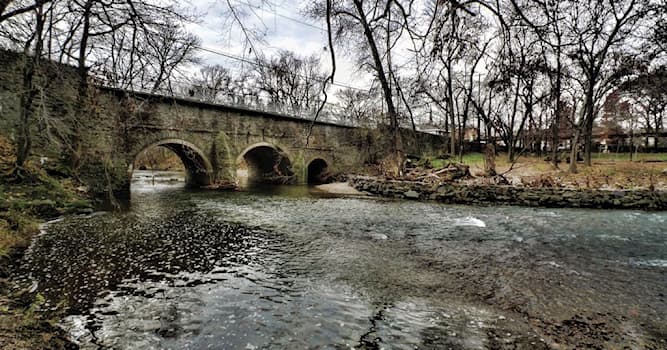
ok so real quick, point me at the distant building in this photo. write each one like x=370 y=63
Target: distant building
x=470 y=134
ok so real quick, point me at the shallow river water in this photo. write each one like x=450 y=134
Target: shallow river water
x=291 y=268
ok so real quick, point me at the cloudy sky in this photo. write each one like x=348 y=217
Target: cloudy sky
x=282 y=25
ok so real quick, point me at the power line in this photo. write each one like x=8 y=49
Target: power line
x=260 y=64
x=274 y=6
x=283 y=16
x=299 y=21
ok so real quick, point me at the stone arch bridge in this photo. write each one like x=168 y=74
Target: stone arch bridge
x=219 y=143
x=216 y=143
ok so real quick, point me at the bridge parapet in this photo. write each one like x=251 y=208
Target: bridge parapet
x=249 y=103
x=209 y=138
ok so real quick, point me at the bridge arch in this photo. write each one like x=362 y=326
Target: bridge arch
x=317 y=171
x=199 y=171
x=264 y=163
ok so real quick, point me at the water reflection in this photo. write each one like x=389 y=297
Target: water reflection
x=285 y=268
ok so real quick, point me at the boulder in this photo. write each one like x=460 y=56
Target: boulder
x=411 y=194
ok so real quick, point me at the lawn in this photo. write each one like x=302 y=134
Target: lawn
x=477 y=159
x=468 y=159
x=635 y=157
x=609 y=170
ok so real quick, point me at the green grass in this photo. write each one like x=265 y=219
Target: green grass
x=438 y=163
x=478 y=158
x=15 y=230
x=473 y=158
x=23 y=204
x=468 y=158
x=626 y=156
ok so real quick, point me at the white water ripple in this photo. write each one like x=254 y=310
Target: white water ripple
x=469 y=221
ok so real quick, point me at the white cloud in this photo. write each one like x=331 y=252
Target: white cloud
x=283 y=26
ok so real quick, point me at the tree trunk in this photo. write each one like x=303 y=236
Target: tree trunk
x=479 y=133
x=588 y=141
x=397 y=157
x=510 y=148
x=589 y=117
x=452 y=115
x=28 y=93
x=574 y=150
x=82 y=93
x=555 y=130
x=632 y=140
x=511 y=139
x=489 y=160
x=3 y=6
x=24 y=138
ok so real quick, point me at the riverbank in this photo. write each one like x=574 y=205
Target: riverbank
x=24 y=323
x=340 y=188
x=608 y=171
x=26 y=200
x=486 y=194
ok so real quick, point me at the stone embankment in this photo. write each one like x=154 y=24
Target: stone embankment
x=512 y=195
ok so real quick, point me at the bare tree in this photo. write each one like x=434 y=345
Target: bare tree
x=649 y=97
x=32 y=60
x=379 y=23
x=12 y=8
x=84 y=33
x=170 y=49
x=544 y=18
x=290 y=80
x=359 y=107
x=212 y=83
x=599 y=28
x=448 y=41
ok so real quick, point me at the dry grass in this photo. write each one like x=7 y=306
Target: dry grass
x=605 y=173
x=15 y=231
x=7 y=155
x=24 y=327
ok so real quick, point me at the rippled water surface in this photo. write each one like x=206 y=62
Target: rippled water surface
x=289 y=268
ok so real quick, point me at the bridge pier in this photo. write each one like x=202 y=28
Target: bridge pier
x=207 y=137
x=261 y=162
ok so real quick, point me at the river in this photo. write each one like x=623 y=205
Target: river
x=292 y=268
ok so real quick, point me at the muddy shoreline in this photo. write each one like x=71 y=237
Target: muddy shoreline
x=548 y=197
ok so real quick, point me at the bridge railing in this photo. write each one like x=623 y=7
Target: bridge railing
x=188 y=91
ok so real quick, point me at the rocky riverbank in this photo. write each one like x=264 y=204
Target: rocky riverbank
x=25 y=201
x=457 y=193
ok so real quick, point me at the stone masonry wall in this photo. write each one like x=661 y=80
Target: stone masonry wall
x=120 y=124
x=512 y=195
